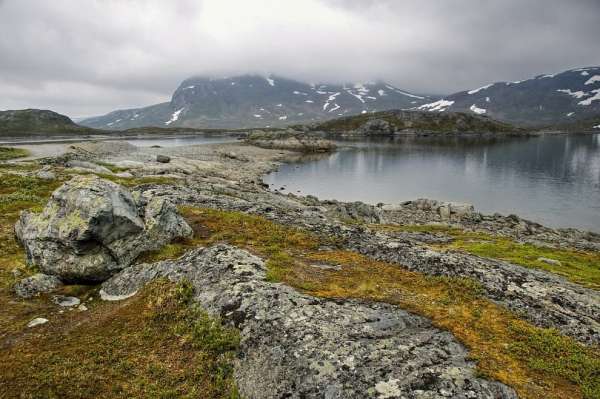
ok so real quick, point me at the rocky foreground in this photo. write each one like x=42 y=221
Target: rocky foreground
x=294 y=344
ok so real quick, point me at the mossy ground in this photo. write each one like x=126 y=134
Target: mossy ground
x=578 y=266
x=12 y=153
x=152 y=345
x=538 y=363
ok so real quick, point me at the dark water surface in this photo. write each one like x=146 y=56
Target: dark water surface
x=551 y=179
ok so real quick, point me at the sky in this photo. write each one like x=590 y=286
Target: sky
x=89 y=57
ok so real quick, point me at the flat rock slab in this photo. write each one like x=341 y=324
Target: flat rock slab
x=297 y=346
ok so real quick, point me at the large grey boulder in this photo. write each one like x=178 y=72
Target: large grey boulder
x=92 y=228
x=297 y=346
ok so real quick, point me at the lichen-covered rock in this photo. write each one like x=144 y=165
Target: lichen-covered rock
x=91 y=228
x=297 y=346
x=37 y=284
x=290 y=140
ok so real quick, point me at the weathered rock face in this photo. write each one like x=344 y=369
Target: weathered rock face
x=297 y=346
x=290 y=140
x=91 y=228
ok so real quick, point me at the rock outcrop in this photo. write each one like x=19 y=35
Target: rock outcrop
x=91 y=228
x=290 y=140
x=297 y=346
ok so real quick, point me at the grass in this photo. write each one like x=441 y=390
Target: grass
x=156 y=344
x=577 y=266
x=537 y=362
x=7 y=153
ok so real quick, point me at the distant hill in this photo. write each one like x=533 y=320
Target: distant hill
x=389 y=122
x=256 y=101
x=544 y=100
x=36 y=121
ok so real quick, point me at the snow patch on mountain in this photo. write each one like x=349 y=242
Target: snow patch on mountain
x=585 y=73
x=404 y=93
x=592 y=80
x=440 y=106
x=576 y=94
x=589 y=101
x=381 y=93
x=174 y=117
x=478 y=111
x=331 y=98
x=270 y=81
x=480 y=88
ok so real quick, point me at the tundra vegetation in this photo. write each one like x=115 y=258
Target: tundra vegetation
x=158 y=344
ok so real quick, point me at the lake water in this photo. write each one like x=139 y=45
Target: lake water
x=552 y=179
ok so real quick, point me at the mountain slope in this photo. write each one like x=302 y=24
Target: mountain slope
x=255 y=101
x=36 y=121
x=543 y=100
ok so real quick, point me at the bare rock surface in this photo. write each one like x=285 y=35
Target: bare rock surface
x=297 y=346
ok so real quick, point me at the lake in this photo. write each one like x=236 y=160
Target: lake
x=551 y=179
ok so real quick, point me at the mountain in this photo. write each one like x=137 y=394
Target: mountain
x=37 y=121
x=557 y=99
x=256 y=101
x=389 y=122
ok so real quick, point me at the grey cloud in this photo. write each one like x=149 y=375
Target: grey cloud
x=88 y=57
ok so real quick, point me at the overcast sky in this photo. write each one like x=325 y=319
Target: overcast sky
x=88 y=57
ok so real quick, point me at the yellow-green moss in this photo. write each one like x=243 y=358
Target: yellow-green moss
x=154 y=345
x=577 y=266
x=12 y=153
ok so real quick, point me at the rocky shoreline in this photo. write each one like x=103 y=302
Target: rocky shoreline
x=295 y=345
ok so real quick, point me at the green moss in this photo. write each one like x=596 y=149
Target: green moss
x=548 y=351
x=577 y=266
x=12 y=153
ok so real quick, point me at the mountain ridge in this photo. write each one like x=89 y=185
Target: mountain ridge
x=258 y=101
x=543 y=100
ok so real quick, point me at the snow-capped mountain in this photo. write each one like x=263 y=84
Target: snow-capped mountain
x=256 y=101
x=543 y=100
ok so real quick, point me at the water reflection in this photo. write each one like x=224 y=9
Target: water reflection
x=551 y=179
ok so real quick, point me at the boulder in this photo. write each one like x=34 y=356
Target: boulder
x=91 y=228
x=163 y=159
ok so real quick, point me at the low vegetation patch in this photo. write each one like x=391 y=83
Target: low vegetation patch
x=577 y=266
x=537 y=362
x=12 y=153
x=156 y=344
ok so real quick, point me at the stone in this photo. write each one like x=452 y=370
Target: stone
x=37 y=321
x=297 y=346
x=91 y=228
x=549 y=261
x=37 y=284
x=163 y=159
x=45 y=174
x=66 y=301
x=90 y=166
x=461 y=209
